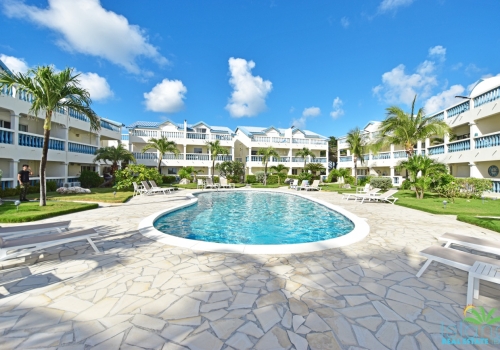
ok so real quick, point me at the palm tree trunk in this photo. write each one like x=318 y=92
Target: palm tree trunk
x=43 y=165
x=213 y=169
x=265 y=174
x=355 y=170
x=159 y=164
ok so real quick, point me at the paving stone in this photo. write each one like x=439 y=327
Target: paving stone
x=298 y=307
x=252 y=329
x=213 y=306
x=33 y=320
x=203 y=341
x=144 y=339
x=112 y=343
x=219 y=296
x=386 y=313
x=267 y=316
x=202 y=327
x=299 y=342
x=108 y=334
x=407 y=343
x=83 y=330
x=224 y=328
x=190 y=321
x=315 y=323
x=359 y=311
x=297 y=321
x=40 y=340
x=183 y=308
x=287 y=320
x=407 y=328
x=388 y=335
x=240 y=341
x=271 y=298
x=215 y=315
x=149 y=322
x=366 y=339
x=176 y=333
x=323 y=341
x=303 y=330
x=342 y=329
x=408 y=312
x=97 y=311
x=354 y=300
x=424 y=342
x=275 y=339
x=243 y=301
x=72 y=304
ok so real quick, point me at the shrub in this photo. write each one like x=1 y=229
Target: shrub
x=472 y=187
x=168 y=179
x=137 y=173
x=185 y=173
x=405 y=185
x=349 y=180
x=305 y=176
x=232 y=170
x=51 y=186
x=363 y=181
x=216 y=179
x=384 y=183
x=90 y=179
x=259 y=175
x=251 y=179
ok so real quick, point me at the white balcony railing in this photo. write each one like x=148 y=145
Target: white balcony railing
x=172 y=134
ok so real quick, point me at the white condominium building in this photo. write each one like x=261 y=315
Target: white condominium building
x=71 y=146
x=242 y=145
x=473 y=150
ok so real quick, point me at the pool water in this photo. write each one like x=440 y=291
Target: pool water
x=247 y=217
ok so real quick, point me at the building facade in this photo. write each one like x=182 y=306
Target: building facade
x=473 y=150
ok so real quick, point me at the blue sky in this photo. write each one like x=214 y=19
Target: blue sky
x=326 y=66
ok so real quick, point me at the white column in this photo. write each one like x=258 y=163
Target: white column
x=66 y=172
x=392 y=171
x=474 y=132
x=419 y=147
x=473 y=172
x=446 y=140
x=98 y=140
x=14 y=166
x=184 y=157
x=232 y=153
x=14 y=124
x=427 y=145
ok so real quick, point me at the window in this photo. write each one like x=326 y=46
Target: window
x=201 y=130
x=196 y=150
x=23 y=127
x=254 y=153
x=4 y=124
x=322 y=153
x=172 y=171
x=294 y=171
x=87 y=168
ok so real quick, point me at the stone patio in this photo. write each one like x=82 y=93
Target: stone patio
x=140 y=294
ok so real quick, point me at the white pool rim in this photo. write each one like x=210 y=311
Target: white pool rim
x=360 y=231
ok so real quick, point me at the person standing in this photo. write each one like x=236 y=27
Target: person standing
x=23 y=176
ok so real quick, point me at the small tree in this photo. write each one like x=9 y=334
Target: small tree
x=162 y=145
x=279 y=169
x=314 y=168
x=358 y=147
x=135 y=173
x=114 y=155
x=426 y=167
x=232 y=170
x=215 y=149
x=267 y=154
x=304 y=152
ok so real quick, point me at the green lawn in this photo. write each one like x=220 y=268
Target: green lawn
x=104 y=195
x=31 y=211
x=338 y=188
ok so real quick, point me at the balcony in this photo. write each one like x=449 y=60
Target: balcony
x=436 y=150
x=107 y=125
x=301 y=141
x=172 y=156
x=399 y=154
x=281 y=140
x=345 y=159
x=272 y=160
x=125 y=137
x=144 y=133
x=224 y=158
x=318 y=160
x=221 y=137
x=261 y=139
x=6 y=136
x=496 y=186
x=439 y=116
x=381 y=156
x=197 y=156
x=36 y=141
x=489 y=96
x=485 y=141
x=459 y=146
x=146 y=155
x=81 y=148
x=366 y=157
x=197 y=136
x=172 y=134
x=463 y=107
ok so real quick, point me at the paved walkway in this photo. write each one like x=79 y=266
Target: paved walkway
x=139 y=294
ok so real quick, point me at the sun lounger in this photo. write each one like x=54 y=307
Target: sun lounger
x=24 y=245
x=211 y=184
x=372 y=192
x=138 y=189
x=154 y=186
x=303 y=185
x=481 y=271
x=484 y=245
x=224 y=184
x=384 y=197
x=363 y=190
x=313 y=187
x=200 y=184
x=21 y=230
x=294 y=184
x=150 y=190
x=453 y=257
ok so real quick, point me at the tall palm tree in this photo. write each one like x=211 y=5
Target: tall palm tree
x=267 y=154
x=51 y=91
x=426 y=167
x=401 y=128
x=114 y=155
x=358 y=147
x=279 y=169
x=304 y=152
x=215 y=149
x=162 y=145
x=314 y=168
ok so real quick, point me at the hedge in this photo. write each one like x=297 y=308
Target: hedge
x=168 y=179
x=384 y=183
x=51 y=186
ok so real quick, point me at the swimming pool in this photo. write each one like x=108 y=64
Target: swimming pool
x=253 y=222
x=254 y=218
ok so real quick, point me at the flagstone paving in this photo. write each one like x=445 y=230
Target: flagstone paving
x=141 y=294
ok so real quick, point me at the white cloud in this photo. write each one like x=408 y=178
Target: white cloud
x=311 y=112
x=86 y=27
x=438 y=52
x=344 y=22
x=292 y=109
x=249 y=95
x=443 y=99
x=337 y=108
x=166 y=96
x=96 y=85
x=16 y=65
x=392 y=5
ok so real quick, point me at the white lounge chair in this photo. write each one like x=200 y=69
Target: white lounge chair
x=200 y=184
x=138 y=189
x=15 y=247
x=154 y=186
x=294 y=184
x=453 y=257
x=22 y=230
x=303 y=185
x=363 y=190
x=481 y=271
x=211 y=184
x=224 y=184
x=480 y=244
x=373 y=192
x=384 y=197
x=150 y=190
x=314 y=186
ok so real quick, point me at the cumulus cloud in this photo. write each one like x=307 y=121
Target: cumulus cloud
x=344 y=22
x=337 y=108
x=443 y=99
x=167 y=96
x=307 y=113
x=438 y=52
x=16 y=65
x=249 y=92
x=393 y=5
x=96 y=85
x=86 y=27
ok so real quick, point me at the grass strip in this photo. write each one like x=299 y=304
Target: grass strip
x=490 y=224
x=32 y=211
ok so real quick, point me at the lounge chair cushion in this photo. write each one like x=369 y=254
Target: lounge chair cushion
x=456 y=238
x=457 y=258
x=12 y=243
x=38 y=227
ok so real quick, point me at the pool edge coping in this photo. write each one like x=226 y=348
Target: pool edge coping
x=360 y=231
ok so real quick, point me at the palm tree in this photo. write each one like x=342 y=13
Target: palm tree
x=114 y=155
x=187 y=171
x=304 y=152
x=51 y=91
x=358 y=147
x=279 y=169
x=426 y=167
x=267 y=154
x=162 y=145
x=215 y=148
x=314 y=167
x=401 y=128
